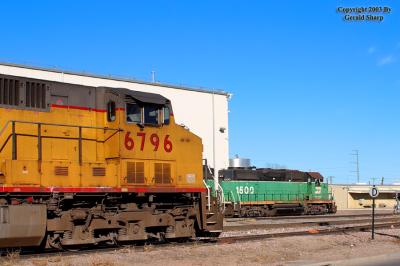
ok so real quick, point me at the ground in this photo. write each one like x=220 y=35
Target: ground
x=300 y=250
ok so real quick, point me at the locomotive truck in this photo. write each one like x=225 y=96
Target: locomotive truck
x=82 y=166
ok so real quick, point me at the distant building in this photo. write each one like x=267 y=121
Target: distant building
x=356 y=196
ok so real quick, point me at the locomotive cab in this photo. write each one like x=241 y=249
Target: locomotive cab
x=140 y=109
x=146 y=123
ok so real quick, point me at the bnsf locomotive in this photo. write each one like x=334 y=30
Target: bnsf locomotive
x=83 y=166
x=249 y=191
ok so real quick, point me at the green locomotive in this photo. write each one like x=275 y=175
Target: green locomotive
x=269 y=192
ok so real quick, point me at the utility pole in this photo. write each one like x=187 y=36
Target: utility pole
x=331 y=179
x=153 y=76
x=382 y=180
x=356 y=154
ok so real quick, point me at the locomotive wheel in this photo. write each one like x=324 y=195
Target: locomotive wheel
x=271 y=212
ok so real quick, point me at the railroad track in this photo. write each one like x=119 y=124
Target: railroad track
x=308 y=217
x=222 y=240
x=366 y=227
x=250 y=226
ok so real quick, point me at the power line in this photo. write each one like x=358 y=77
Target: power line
x=356 y=154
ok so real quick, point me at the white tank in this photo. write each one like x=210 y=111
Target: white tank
x=239 y=163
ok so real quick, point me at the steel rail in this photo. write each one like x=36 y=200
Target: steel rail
x=238 y=219
x=203 y=241
x=243 y=227
x=366 y=227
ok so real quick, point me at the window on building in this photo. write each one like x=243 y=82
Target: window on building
x=133 y=113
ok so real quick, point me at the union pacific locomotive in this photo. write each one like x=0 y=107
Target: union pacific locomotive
x=83 y=166
x=249 y=191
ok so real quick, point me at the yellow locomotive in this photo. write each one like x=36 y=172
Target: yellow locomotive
x=86 y=165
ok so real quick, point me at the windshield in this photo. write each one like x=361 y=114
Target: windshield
x=133 y=113
x=151 y=114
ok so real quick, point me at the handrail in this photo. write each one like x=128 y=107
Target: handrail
x=209 y=169
x=5 y=127
x=60 y=125
x=5 y=143
x=216 y=189
x=208 y=195
x=39 y=135
x=55 y=124
x=222 y=196
x=233 y=196
x=240 y=203
x=289 y=196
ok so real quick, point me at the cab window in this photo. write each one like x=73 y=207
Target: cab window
x=166 y=115
x=133 y=113
x=111 y=111
x=151 y=114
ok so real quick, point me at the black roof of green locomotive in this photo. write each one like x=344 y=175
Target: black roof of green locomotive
x=269 y=174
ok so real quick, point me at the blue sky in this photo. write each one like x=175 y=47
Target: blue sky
x=308 y=88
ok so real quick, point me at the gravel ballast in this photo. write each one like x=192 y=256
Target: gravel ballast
x=298 y=250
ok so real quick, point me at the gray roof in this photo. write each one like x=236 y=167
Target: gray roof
x=84 y=74
x=144 y=97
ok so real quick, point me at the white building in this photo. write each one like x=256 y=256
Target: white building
x=204 y=112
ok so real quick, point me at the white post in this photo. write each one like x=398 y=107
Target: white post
x=216 y=184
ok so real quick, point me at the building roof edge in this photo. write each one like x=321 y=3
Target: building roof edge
x=131 y=80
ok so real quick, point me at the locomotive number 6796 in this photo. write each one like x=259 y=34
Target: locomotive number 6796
x=154 y=141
